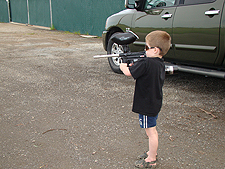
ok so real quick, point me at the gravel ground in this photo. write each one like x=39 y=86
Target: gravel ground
x=60 y=108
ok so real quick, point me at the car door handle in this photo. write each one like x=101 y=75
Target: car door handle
x=167 y=16
x=212 y=12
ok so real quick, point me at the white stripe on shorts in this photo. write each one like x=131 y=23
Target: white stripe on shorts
x=145 y=121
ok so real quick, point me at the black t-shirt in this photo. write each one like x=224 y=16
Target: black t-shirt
x=149 y=74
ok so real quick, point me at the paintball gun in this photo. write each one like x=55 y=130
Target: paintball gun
x=129 y=57
x=124 y=39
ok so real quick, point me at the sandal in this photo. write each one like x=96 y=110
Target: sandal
x=144 y=156
x=143 y=164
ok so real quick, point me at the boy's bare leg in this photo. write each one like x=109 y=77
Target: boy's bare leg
x=153 y=143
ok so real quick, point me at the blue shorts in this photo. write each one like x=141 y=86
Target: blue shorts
x=147 y=121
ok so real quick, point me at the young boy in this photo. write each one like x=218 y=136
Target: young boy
x=149 y=74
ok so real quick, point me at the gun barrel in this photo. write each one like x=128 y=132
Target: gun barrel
x=128 y=55
x=106 y=56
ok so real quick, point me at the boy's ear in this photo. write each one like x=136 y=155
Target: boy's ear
x=157 y=51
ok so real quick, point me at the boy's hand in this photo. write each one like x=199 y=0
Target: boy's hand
x=125 y=69
x=131 y=64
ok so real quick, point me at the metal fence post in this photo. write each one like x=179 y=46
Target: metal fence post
x=50 y=4
x=28 y=15
x=8 y=10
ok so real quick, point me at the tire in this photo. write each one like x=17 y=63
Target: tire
x=114 y=62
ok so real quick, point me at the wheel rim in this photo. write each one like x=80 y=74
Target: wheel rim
x=116 y=49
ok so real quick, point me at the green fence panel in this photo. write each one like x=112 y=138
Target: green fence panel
x=102 y=9
x=39 y=12
x=84 y=16
x=4 y=17
x=19 y=11
x=69 y=16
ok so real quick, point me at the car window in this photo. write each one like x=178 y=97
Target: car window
x=159 y=3
x=192 y=2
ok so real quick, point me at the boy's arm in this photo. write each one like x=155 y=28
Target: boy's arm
x=125 y=69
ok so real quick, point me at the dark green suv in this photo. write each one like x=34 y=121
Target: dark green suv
x=196 y=28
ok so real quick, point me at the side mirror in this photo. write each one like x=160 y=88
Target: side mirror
x=130 y=5
x=135 y=4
